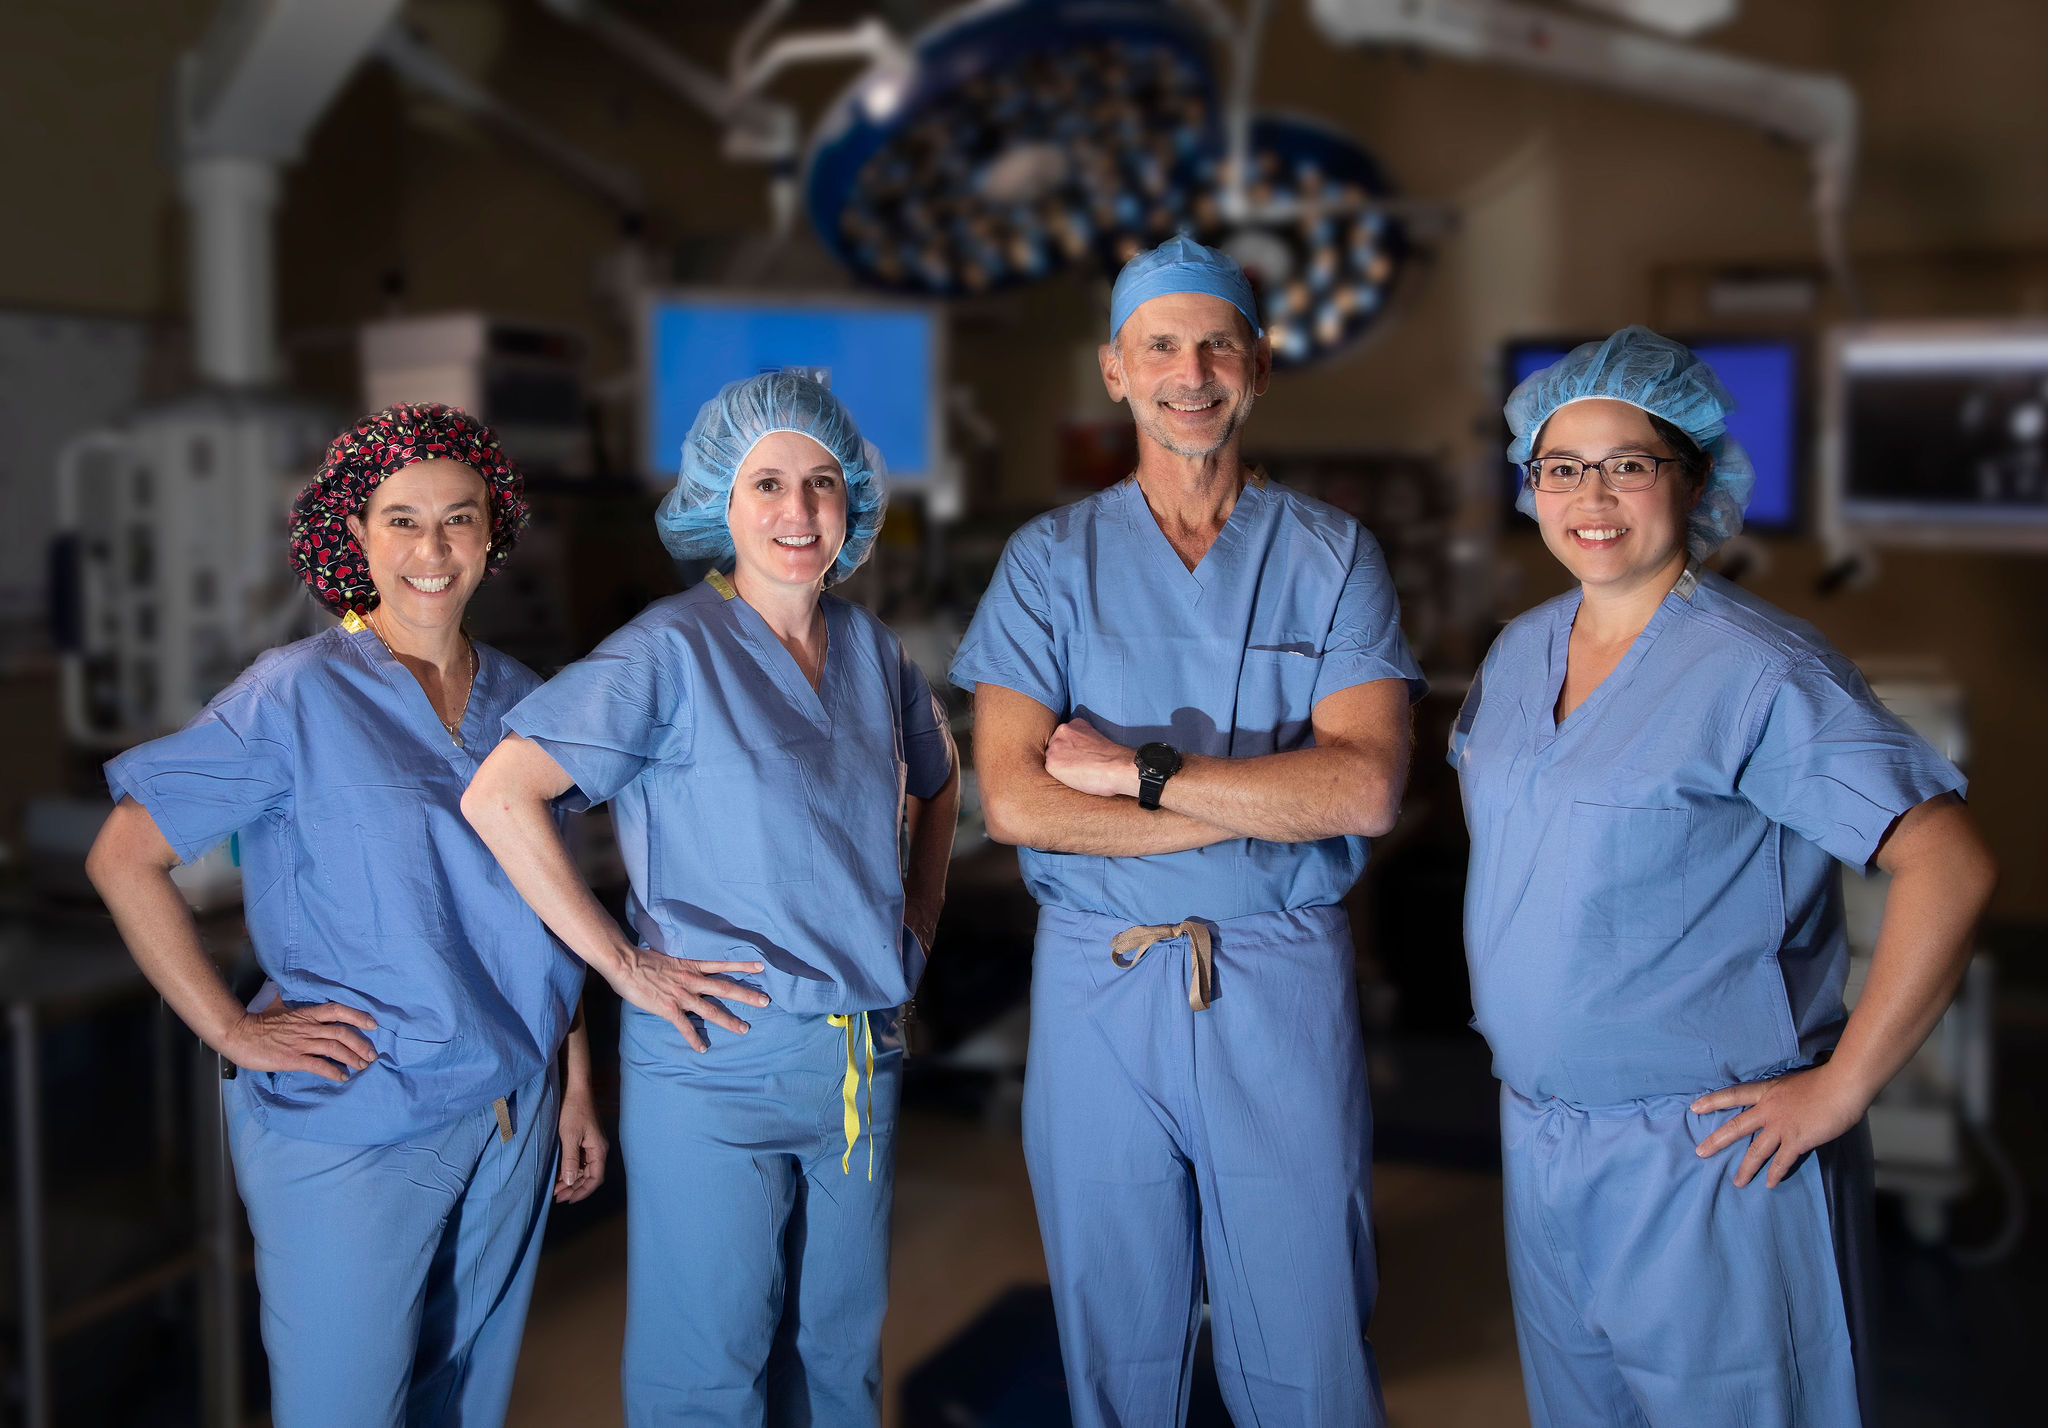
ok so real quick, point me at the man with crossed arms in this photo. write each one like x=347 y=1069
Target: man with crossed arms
x=1192 y=710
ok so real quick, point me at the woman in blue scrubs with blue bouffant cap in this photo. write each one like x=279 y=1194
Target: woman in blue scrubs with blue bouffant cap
x=1660 y=774
x=395 y=1119
x=761 y=744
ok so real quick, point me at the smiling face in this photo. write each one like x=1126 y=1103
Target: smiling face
x=1190 y=368
x=788 y=511
x=1612 y=537
x=425 y=534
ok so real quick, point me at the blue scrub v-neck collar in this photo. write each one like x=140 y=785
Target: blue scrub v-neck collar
x=1548 y=726
x=774 y=656
x=419 y=709
x=1138 y=512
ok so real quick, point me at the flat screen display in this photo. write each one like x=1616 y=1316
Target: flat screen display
x=1762 y=374
x=882 y=361
x=1946 y=429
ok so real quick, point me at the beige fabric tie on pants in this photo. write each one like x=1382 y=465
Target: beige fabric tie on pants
x=1135 y=942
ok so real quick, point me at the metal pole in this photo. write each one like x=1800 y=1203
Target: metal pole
x=28 y=1199
x=220 y=1328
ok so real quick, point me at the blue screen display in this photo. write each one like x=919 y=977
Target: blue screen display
x=881 y=361
x=1763 y=377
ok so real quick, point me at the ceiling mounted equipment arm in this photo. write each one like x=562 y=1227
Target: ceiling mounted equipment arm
x=417 y=65
x=1815 y=110
x=756 y=130
x=243 y=101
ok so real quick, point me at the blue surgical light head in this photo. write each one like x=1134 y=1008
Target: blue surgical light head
x=1664 y=378
x=1181 y=265
x=692 y=518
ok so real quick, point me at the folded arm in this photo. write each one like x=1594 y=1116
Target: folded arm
x=1026 y=805
x=1349 y=783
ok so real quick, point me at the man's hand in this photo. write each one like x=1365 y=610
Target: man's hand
x=1088 y=761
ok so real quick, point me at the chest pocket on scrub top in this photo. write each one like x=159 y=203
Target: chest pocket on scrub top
x=1277 y=691
x=1625 y=871
x=759 y=824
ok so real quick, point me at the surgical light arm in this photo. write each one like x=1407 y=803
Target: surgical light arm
x=417 y=65
x=1815 y=110
x=757 y=129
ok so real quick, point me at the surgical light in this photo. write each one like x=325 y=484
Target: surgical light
x=1026 y=138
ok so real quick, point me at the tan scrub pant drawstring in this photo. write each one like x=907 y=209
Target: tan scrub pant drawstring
x=1134 y=942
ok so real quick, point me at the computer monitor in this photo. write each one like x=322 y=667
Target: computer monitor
x=1936 y=435
x=885 y=360
x=1763 y=374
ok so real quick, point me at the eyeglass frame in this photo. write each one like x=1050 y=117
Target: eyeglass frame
x=1657 y=465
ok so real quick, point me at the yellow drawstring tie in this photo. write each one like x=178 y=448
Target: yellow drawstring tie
x=1134 y=942
x=849 y=1089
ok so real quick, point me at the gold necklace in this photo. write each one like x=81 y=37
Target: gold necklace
x=454 y=728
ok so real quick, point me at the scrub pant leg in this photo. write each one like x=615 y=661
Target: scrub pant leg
x=1650 y=1292
x=1168 y=1146
x=756 y=1265
x=394 y=1279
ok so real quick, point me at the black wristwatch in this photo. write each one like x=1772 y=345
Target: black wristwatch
x=1156 y=764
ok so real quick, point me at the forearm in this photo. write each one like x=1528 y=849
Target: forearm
x=130 y=867
x=1293 y=797
x=1921 y=954
x=156 y=924
x=932 y=821
x=1041 y=812
x=518 y=828
x=576 y=1057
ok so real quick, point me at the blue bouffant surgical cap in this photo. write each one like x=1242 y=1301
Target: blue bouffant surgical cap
x=692 y=517
x=1664 y=378
x=1181 y=265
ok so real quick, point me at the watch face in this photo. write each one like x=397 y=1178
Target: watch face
x=1161 y=759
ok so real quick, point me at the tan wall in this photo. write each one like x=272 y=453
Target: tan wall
x=1579 y=212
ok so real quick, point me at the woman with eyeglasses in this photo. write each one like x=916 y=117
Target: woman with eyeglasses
x=1660 y=773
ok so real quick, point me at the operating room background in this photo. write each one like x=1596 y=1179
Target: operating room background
x=1568 y=210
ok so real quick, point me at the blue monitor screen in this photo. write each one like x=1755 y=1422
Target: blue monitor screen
x=1763 y=377
x=882 y=362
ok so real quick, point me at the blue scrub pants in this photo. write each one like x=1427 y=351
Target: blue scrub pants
x=1651 y=1293
x=1169 y=1147
x=757 y=1266
x=394 y=1279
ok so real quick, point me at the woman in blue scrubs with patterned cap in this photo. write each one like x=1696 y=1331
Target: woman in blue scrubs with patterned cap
x=1660 y=774
x=395 y=1120
x=761 y=744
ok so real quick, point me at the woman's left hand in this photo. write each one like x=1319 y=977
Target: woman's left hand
x=583 y=1149
x=1787 y=1117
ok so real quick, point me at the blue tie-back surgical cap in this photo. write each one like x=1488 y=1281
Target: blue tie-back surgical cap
x=1181 y=265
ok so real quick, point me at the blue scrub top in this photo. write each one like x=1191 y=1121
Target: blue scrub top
x=363 y=884
x=759 y=819
x=1654 y=905
x=1092 y=614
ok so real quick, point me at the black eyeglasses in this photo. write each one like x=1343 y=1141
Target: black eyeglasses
x=1632 y=471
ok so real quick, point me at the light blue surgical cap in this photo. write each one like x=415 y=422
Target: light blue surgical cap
x=692 y=517
x=1181 y=265
x=1662 y=377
